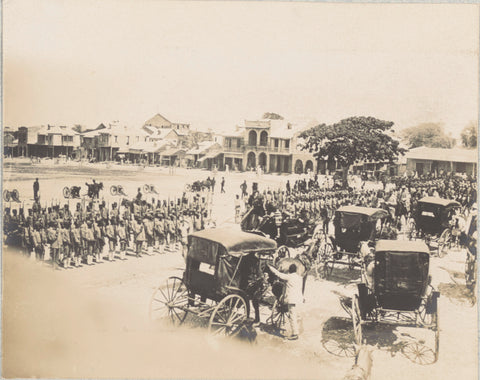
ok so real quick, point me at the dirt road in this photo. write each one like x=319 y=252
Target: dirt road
x=93 y=321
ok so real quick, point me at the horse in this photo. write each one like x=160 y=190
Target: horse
x=303 y=261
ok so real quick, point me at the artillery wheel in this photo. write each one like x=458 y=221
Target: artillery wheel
x=188 y=187
x=146 y=188
x=66 y=192
x=170 y=300
x=6 y=196
x=121 y=190
x=418 y=353
x=279 y=316
x=113 y=190
x=357 y=321
x=444 y=243
x=229 y=316
x=15 y=195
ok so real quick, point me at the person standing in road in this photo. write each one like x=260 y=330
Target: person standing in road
x=293 y=295
x=222 y=184
x=36 y=189
x=243 y=187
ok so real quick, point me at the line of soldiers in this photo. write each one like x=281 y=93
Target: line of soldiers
x=94 y=230
x=314 y=203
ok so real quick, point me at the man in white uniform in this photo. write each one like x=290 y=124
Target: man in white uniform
x=293 y=295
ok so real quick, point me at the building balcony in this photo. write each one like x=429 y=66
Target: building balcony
x=234 y=149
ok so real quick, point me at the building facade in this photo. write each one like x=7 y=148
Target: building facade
x=268 y=144
x=424 y=160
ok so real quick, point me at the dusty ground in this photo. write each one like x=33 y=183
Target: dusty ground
x=93 y=321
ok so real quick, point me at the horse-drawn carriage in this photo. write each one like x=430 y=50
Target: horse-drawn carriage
x=353 y=225
x=433 y=222
x=220 y=265
x=396 y=290
x=225 y=270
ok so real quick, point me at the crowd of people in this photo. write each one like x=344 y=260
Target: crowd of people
x=316 y=202
x=94 y=230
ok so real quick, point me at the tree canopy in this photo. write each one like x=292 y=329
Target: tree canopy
x=469 y=135
x=272 y=116
x=353 y=139
x=427 y=134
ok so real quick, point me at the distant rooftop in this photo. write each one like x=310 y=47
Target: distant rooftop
x=443 y=154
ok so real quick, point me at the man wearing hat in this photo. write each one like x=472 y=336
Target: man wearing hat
x=112 y=239
x=148 y=227
x=159 y=231
x=139 y=235
x=76 y=239
x=122 y=237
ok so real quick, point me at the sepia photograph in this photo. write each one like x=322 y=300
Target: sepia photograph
x=239 y=190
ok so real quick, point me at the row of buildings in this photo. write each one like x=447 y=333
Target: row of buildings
x=268 y=144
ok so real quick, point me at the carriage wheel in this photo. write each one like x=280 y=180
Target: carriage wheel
x=146 y=188
x=279 y=316
x=436 y=329
x=15 y=195
x=424 y=319
x=328 y=261
x=170 y=300
x=339 y=348
x=470 y=273
x=6 y=196
x=282 y=251
x=419 y=353
x=113 y=190
x=229 y=316
x=444 y=243
x=66 y=192
x=357 y=321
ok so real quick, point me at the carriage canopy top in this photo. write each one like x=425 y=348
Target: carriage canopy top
x=203 y=245
x=401 y=246
x=353 y=214
x=439 y=201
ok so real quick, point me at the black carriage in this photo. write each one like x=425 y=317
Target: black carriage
x=219 y=267
x=433 y=222
x=396 y=289
x=353 y=225
x=288 y=232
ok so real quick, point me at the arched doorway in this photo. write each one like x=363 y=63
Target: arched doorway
x=298 y=167
x=252 y=138
x=262 y=161
x=251 y=160
x=263 y=138
x=309 y=166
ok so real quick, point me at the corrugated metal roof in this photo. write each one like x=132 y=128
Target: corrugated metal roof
x=441 y=154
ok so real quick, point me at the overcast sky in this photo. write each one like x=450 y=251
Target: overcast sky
x=213 y=64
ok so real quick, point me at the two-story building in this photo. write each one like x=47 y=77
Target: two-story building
x=48 y=141
x=270 y=144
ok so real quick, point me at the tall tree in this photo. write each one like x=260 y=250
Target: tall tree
x=469 y=135
x=427 y=134
x=272 y=116
x=352 y=139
